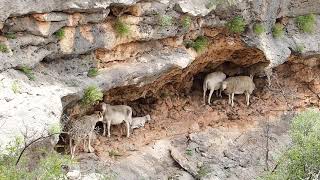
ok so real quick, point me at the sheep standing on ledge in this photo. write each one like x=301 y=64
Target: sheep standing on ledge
x=138 y=122
x=113 y=115
x=83 y=129
x=212 y=82
x=238 y=85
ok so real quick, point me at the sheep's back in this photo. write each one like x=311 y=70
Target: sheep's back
x=239 y=84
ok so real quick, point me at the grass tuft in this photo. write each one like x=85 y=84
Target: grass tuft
x=236 y=25
x=4 y=48
x=258 y=29
x=199 y=44
x=93 y=72
x=306 y=23
x=121 y=28
x=186 y=22
x=28 y=72
x=165 y=20
x=92 y=95
x=15 y=87
x=10 y=35
x=278 y=30
x=60 y=34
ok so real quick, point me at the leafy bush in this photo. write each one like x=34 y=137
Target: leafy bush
x=93 y=72
x=306 y=23
x=28 y=72
x=121 y=28
x=3 y=48
x=92 y=95
x=49 y=166
x=277 y=30
x=165 y=20
x=199 y=44
x=258 y=29
x=302 y=159
x=10 y=35
x=186 y=22
x=60 y=33
x=236 y=25
x=189 y=152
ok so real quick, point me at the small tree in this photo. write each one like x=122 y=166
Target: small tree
x=258 y=29
x=302 y=159
x=60 y=34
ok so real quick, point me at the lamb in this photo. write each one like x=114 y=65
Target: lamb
x=238 y=85
x=212 y=82
x=138 y=122
x=113 y=115
x=83 y=129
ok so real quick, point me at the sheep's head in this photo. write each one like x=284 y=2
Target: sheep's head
x=224 y=85
x=148 y=117
x=99 y=115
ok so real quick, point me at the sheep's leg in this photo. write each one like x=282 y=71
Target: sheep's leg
x=217 y=93
x=74 y=149
x=204 y=96
x=89 y=143
x=104 y=129
x=85 y=145
x=70 y=144
x=220 y=93
x=128 y=127
x=229 y=100
x=248 y=99
x=210 y=94
x=109 y=126
x=232 y=97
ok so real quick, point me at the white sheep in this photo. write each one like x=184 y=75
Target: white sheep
x=83 y=129
x=212 y=82
x=260 y=69
x=113 y=115
x=138 y=122
x=238 y=85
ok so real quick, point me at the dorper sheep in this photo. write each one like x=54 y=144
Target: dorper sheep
x=83 y=129
x=238 y=85
x=138 y=122
x=212 y=82
x=113 y=115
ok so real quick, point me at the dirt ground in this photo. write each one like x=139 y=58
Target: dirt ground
x=184 y=114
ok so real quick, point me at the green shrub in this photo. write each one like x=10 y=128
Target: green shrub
x=277 y=30
x=49 y=166
x=186 y=22
x=258 y=29
x=165 y=20
x=3 y=48
x=306 y=23
x=10 y=35
x=236 y=25
x=199 y=44
x=28 y=72
x=15 y=87
x=302 y=159
x=92 y=95
x=121 y=28
x=93 y=72
x=60 y=33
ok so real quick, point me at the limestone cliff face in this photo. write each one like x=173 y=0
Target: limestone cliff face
x=150 y=56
